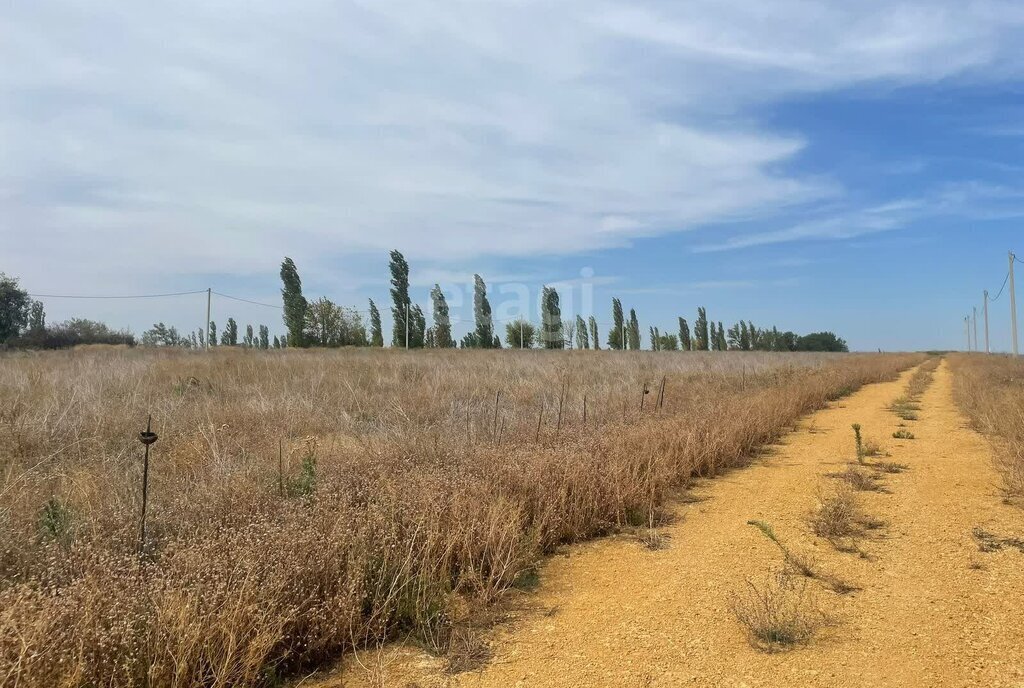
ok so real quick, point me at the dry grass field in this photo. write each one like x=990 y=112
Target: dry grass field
x=303 y=503
x=990 y=390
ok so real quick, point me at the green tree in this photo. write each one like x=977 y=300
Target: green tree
x=744 y=336
x=230 y=335
x=264 y=337
x=323 y=323
x=652 y=333
x=213 y=333
x=684 y=335
x=520 y=334
x=482 y=314
x=442 y=330
x=294 y=302
x=37 y=318
x=700 y=331
x=376 y=334
x=161 y=335
x=821 y=341
x=248 y=340
x=277 y=342
x=593 y=333
x=401 y=306
x=582 y=336
x=551 y=320
x=417 y=328
x=616 y=335
x=720 y=338
x=633 y=331
x=14 y=308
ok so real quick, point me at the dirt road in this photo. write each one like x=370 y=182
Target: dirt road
x=931 y=609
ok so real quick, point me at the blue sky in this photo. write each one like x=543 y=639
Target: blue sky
x=854 y=167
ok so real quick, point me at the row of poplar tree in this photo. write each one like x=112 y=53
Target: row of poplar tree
x=322 y=323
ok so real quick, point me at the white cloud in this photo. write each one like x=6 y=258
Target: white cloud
x=169 y=141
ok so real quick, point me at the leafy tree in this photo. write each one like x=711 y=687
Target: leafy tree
x=442 y=321
x=277 y=342
x=323 y=323
x=161 y=335
x=14 y=308
x=569 y=332
x=744 y=336
x=720 y=338
x=733 y=337
x=582 y=336
x=821 y=341
x=633 y=331
x=700 y=331
x=401 y=306
x=593 y=333
x=376 y=334
x=496 y=342
x=551 y=320
x=684 y=335
x=482 y=314
x=520 y=334
x=652 y=333
x=248 y=340
x=37 y=319
x=294 y=302
x=264 y=337
x=417 y=328
x=230 y=335
x=213 y=333
x=616 y=335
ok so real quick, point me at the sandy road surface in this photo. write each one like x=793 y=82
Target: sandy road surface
x=932 y=610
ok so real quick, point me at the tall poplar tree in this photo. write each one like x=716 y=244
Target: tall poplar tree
x=400 y=304
x=294 y=302
x=442 y=320
x=633 y=331
x=582 y=336
x=376 y=335
x=684 y=335
x=482 y=314
x=551 y=320
x=593 y=333
x=700 y=330
x=617 y=333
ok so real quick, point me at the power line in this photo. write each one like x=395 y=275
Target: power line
x=1001 y=289
x=134 y=296
x=255 y=303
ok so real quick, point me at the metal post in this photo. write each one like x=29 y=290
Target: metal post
x=1013 y=306
x=206 y=334
x=967 y=331
x=147 y=438
x=406 y=326
x=988 y=347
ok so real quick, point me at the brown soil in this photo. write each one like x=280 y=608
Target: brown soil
x=931 y=609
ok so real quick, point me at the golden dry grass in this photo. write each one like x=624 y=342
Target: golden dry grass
x=990 y=391
x=403 y=489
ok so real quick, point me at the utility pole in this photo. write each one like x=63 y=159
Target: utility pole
x=974 y=322
x=1013 y=306
x=206 y=334
x=406 y=326
x=988 y=347
x=967 y=331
